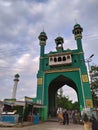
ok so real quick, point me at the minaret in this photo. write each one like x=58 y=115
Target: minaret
x=77 y=31
x=42 y=41
x=59 y=44
x=15 y=85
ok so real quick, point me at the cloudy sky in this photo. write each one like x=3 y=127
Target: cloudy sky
x=21 y=22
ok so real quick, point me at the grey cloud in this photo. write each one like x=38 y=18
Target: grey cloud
x=21 y=21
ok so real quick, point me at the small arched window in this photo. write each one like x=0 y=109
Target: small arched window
x=68 y=57
x=59 y=59
x=55 y=59
x=64 y=58
x=51 y=59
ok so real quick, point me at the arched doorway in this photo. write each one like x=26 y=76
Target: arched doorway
x=56 y=84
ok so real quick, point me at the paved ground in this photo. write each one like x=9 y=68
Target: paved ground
x=46 y=126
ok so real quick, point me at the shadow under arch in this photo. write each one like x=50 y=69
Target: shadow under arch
x=56 y=84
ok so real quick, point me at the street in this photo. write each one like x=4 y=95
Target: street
x=46 y=126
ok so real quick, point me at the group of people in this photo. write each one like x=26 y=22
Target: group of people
x=63 y=117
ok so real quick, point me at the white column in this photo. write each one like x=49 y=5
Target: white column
x=15 y=86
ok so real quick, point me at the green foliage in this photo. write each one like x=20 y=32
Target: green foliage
x=75 y=106
x=65 y=103
x=94 y=77
x=94 y=84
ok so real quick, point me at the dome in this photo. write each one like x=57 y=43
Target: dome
x=42 y=36
x=77 y=29
x=59 y=39
x=77 y=26
x=43 y=33
x=17 y=76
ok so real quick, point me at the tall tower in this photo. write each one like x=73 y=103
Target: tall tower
x=77 y=31
x=42 y=41
x=15 y=85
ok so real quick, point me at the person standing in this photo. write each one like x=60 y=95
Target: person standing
x=60 y=117
x=94 y=122
x=87 y=122
x=66 y=118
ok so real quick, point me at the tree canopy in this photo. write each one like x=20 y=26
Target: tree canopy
x=65 y=103
x=94 y=84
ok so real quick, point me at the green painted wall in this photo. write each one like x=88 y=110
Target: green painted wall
x=51 y=78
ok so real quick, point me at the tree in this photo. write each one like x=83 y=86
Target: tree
x=65 y=103
x=75 y=106
x=94 y=84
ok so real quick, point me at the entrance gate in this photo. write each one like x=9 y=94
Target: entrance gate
x=59 y=68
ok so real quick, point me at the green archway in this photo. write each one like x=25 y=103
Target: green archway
x=56 y=84
x=62 y=67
